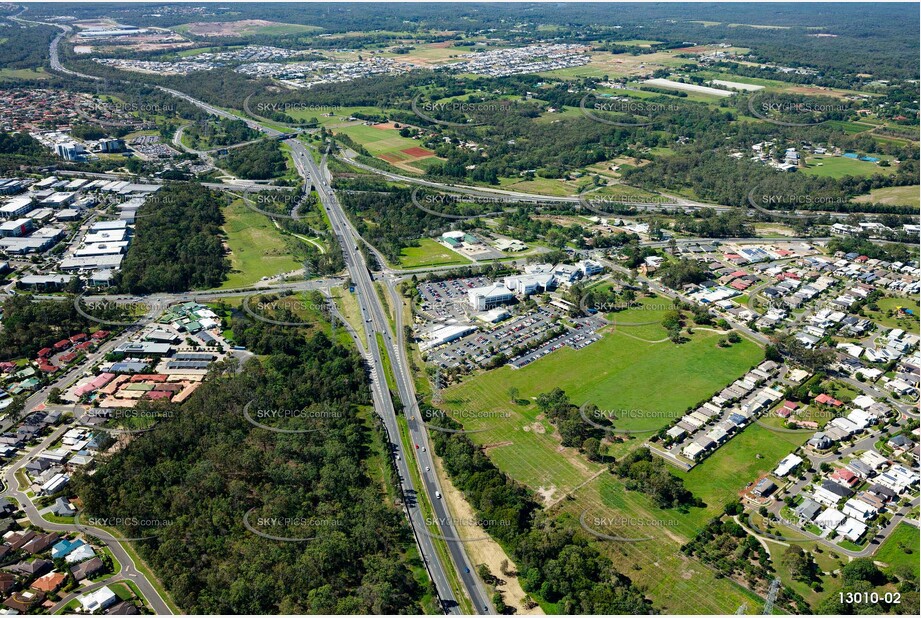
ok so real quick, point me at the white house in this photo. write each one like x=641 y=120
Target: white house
x=830 y=518
x=787 y=465
x=859 y=510
x=98 y=599
x=852 y=529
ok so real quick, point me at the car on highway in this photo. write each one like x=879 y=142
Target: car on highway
x=438 y=495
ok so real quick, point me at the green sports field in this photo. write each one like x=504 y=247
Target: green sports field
x=429 y=253
x=838 y=167
x=378 y=141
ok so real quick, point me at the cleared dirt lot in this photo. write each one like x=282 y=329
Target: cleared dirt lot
x=242 y=27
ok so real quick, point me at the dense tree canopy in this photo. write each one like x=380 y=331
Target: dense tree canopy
x=204 y=468
x=259 y=161
x=178 y=242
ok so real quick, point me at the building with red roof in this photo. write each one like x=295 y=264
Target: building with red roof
x=843 y=476
x=149 y=377
x=828 y=400
x=740 y=284
x=45 y=352
x=100 y=335
x=49 y=582
x=68 y=358
x=78 y=338
x=63 y=344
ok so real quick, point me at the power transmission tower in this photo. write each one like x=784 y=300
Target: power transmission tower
x=436 y=386
x=772 y=596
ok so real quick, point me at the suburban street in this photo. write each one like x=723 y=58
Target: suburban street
x=381 y=339
x=128 y=569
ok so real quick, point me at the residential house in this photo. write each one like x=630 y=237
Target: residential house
x=830 y=519
x=97 y=600
x=852 y=529
x=830 y=493
x=807 y=510
x=87 y=569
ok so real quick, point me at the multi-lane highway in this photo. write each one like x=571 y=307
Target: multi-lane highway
x=376 y=324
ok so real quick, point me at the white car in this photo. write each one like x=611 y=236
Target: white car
x=438 y=495
x=427 y=469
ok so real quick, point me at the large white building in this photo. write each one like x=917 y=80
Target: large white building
x=445 y=334
x=70 y=151
x=16 y=207
x=486 y=297
x=531 y=283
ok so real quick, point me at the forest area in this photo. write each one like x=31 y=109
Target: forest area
x=207 y=478
x=178 y=244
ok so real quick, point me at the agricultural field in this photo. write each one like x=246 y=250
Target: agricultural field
x=896 y=196
x=257 y=248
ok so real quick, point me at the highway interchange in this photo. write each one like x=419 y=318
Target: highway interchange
x=376 y=323
x=376 y=326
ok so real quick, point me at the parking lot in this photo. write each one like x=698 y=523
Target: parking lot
x=582 y=335
x=443 y=300
x=522 y=331
x=477 y=348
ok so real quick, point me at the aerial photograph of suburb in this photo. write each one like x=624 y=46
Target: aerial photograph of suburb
x=523 y=307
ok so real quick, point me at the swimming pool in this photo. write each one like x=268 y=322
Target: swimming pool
x=853 y=155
